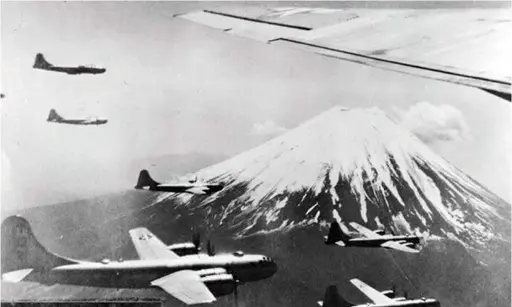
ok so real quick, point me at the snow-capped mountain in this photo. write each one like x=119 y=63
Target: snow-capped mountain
x=351 y=165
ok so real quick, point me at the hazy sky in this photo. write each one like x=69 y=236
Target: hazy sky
x=172 y=86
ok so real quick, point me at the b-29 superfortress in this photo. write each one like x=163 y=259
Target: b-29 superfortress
x=192 y=278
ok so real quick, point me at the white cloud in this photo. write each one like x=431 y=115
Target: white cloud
x=436 y=123
x=267 y=128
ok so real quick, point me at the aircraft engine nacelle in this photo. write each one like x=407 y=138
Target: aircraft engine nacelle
x=184 y=249
x=380 y=232
x=409 y=244
x=220 y=284
x=398 y=299
x=389 y=293
x=209 y=272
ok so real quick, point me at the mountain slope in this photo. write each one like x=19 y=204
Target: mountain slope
x=351 y=165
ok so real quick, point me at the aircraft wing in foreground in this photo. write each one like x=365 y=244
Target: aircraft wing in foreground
x=145 y=182
x=466 y=47
x=148 y=246
x=185 y=286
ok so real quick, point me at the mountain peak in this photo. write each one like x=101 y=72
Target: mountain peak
x=351 y=165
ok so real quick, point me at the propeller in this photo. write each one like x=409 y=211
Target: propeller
x=235 y=292
x=393 y=288
x=210 y=249
x=196 y=240
x=406 y=295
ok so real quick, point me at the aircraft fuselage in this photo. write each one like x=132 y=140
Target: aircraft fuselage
x=81 y=121
x=76 y=70
x=182 y=188
x=370 y=242
x=140 y=273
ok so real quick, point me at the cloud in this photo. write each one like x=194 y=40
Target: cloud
x=267 y=128
x=433 y=123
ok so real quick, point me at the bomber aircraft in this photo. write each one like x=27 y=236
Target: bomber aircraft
x=41 y=63
x=145 y=182
x=370 y=238
x=54 y=117
x=379 y=298
x=425 y=47
x=192 y=279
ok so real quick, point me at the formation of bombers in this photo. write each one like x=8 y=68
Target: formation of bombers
x=54 y=117
x=182 y=270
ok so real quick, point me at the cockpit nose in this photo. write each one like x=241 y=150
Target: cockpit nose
x=270 y=266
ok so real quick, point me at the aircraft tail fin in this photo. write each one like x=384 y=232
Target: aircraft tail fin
x=41 y=62
x=336 y=234
x=21 y=249
x=333 y=299
x=145 y=180
x=54 y=116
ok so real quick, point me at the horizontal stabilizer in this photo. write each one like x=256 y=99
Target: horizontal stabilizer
x=16 y=276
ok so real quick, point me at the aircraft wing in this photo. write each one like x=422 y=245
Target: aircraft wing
x=365 y=231
x=186 y=286
x=148 y=246
x=467 y=47
x=197 y=190
x=376 y=296
x=399 y=246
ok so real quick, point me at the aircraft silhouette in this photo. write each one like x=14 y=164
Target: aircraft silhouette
x=54 y=117
x=385 y=298
x=192 y=186
x=371 y=238
x=41 y=63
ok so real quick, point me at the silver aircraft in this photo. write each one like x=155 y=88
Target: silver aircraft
x=145 y=182
x=42 y=63
x=385 y=298
x=192 y=279
x=371 y=238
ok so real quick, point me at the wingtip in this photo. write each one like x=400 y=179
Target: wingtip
x=137 y=230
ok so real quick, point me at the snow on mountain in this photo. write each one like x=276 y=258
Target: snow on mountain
x=351 y=165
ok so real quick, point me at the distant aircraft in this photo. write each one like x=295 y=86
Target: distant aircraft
x=54 y=117
x=192 y=186
x=371 y=239
x=41 y=63
x=193 y=279
x=380 y=298
x=2 y=95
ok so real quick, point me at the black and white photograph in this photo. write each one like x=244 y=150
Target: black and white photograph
x=256 y=153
